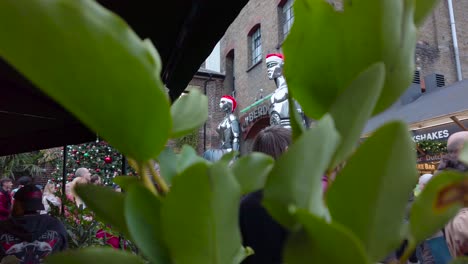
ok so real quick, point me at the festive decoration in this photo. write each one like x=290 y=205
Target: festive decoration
x=432 y=147
x=100 y=158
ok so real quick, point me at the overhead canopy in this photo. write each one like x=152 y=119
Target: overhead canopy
x=430 y=109
x=183 y=31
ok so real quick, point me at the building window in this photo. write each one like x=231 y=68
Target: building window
x=255 y=39
x=230 y=79
x=287 y=17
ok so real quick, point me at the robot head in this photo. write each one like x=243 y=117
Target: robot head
x=228 y=103
x=274 y=62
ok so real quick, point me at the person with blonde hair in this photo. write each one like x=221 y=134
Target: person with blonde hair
x=49 y=197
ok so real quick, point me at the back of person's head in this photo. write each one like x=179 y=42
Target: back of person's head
x=455 y=144
x=49 y=188
x=273 y=141
x=95 y=179
x=81 y=172
x=424 y=179
x=28 y=199
x=25 y=180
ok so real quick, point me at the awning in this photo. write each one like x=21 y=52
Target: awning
x=430 y=109
x=183 y=31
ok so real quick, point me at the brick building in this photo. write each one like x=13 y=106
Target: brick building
x=262 y=26
x=210 y=83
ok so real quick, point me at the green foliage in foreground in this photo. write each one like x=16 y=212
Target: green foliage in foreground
x=343 y=67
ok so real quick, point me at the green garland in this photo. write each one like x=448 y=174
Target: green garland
x=432 y=147
x=191 y=139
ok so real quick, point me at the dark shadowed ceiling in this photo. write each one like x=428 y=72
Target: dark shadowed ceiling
x=183 y=31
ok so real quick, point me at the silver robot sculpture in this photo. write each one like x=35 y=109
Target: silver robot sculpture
x=279 y=108
x=228 y=130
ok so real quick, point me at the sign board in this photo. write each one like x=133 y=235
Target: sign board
x=438 y=133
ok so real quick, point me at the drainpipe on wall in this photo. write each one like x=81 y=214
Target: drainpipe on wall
x=204 y=125
x=455 y=41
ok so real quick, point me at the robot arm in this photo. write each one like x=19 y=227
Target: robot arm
x=236 y=130
x=280 y=95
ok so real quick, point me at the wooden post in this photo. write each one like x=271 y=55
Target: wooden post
x=455 y=119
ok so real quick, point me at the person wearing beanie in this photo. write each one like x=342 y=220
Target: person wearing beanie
x=28 y=235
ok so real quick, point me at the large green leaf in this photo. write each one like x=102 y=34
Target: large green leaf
x=168 y=164
x=106 y=203
x=350 y=115
x=187 y=157
x=142 y=212
x=251 y=171
x=370 y=195
x=296 y=177
x=94 y=255
x=126 y=181
x=440 y=200
x=189 y=112
x=463 y=156
x=93 y=64
x=463 y=260
x=295 y=119
x=422 y=9
x=200 y=216
x=322 y=242
x=327 y=49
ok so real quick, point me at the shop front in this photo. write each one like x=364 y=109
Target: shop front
x=432 y=117
x=253 y=119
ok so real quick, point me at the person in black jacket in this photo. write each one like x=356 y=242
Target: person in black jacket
x=28 y=235
x=259 y=230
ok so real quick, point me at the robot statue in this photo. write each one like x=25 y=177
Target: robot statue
x=279 y=108
x=228 y=130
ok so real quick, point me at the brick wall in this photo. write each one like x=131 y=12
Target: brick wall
x=249 y=80
x=214 y=91
x=434 y=50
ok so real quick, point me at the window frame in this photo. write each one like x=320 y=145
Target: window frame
x=255 y=45
x=286 y=12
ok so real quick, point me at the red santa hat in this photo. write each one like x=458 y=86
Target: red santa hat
x=275 y=57
x=231 y=100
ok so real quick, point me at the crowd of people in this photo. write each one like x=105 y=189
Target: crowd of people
x=28 y=233
x=262 y=233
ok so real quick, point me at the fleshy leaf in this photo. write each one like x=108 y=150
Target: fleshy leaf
x=168 y=164
x=142 y=213
x=91 y=62
x=126 y=181
x=94 y=255
x=463 y=156
x=188 y=113
x=187 y=158
x=350 y=116
x=300 y=185
x=422 y=9
x=252 y=171
x=295 y=119
x=308 y=244
x=375 y=191
x=106 y=203
x=439 y=201
x=327 y=49
x=200 y=216
x=463 y=260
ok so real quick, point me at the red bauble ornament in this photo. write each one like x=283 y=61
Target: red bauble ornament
x=107 y=159
x=77 y=162
x=98 y=170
